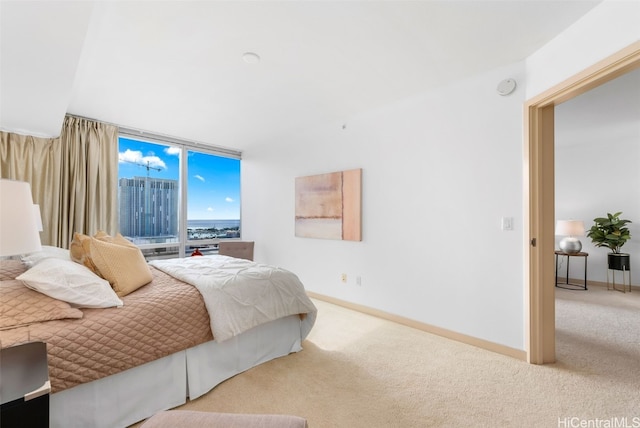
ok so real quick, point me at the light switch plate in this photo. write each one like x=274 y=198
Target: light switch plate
x=507 y=223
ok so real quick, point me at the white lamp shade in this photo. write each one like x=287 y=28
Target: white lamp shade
x=36 y=210
x=18 y=224
x=570 y=228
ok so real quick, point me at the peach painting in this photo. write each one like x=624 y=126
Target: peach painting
x=329 y=205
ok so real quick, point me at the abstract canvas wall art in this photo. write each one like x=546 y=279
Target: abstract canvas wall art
x=329 y=206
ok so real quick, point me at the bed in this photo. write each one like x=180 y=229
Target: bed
x=154 y=347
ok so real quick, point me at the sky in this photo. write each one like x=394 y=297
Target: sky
x=213 y=184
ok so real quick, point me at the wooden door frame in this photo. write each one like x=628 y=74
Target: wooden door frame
x=539 y=199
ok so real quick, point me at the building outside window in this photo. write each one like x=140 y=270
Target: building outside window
x=149 y=207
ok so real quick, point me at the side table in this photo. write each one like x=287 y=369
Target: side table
x=24 y=386
x=567 y=285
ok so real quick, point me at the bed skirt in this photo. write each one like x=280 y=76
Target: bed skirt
x=133 y=395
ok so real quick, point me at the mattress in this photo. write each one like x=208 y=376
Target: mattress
x=116 y=366
x=159 y=319
x=130 y=396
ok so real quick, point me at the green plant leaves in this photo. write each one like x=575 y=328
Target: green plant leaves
x=610 y=232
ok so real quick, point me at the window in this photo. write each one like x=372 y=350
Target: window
x=174 y=198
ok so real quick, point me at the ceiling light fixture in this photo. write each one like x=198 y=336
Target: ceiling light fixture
x=251 y=58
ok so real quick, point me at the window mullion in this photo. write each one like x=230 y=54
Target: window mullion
x=183 y=201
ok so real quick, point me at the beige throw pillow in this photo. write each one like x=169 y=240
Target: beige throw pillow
x=80 y=252
x=120 y=263
x=118 y=239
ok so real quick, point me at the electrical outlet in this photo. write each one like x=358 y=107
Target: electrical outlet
x=359 y=280
x=343 y=277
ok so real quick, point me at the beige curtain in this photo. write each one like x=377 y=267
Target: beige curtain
x=74 y=178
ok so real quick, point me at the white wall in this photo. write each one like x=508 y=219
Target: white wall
x=439 y=171
x=597 y=158
x=606 y=29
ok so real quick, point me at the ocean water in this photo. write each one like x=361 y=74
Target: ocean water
x=217 y=224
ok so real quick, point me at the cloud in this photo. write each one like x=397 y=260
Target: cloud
x=228 y=199
x=130 y=156
x=173 y=151
x=199 y=177
x=154 y=161
x=135 y=156
x=210 y=209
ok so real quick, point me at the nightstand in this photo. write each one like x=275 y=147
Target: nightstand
x=24 y=386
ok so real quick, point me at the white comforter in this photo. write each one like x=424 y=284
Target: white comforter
x=240 y=294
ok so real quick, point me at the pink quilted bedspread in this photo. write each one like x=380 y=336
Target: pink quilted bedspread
x=161 y=318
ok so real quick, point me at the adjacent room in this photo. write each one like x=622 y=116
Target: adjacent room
x=319 y=213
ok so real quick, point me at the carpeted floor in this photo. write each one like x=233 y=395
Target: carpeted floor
x=361 y=371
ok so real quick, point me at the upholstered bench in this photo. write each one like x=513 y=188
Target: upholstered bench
x=189 y=418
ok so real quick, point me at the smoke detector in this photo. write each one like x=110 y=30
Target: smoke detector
x=506 y=87
x=251 y=58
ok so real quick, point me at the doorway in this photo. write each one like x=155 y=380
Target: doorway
x=540 y=210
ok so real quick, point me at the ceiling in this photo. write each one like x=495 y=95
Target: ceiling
x=176 y=67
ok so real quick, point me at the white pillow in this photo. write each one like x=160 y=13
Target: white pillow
x=71 y=282
x=47 y=252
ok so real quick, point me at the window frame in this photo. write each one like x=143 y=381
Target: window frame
x=185 y=146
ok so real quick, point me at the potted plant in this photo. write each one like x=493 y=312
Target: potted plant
x=611 y=232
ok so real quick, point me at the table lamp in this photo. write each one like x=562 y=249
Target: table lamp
x=36 y=210
x=570 y=229
x=18 y=224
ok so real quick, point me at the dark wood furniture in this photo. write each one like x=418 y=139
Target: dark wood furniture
x=24 y=386
x=567 y=285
